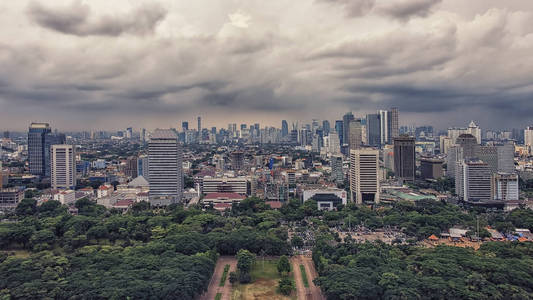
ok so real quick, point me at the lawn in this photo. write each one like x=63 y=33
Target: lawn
x=265 y=279
x=304 y=276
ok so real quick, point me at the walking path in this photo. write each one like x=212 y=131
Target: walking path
x=312 y=292
x=214 y=287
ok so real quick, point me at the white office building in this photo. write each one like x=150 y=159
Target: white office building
x=364 y=175
x=165 y=168
x=63 y=166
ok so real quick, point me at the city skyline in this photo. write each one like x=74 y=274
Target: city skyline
x=154 y=64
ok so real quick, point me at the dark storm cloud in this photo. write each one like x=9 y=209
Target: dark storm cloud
x=76 y=19
x=397 y=9
x=353 y=8
x=241 y=60
x=405 y=9
x=253 y=98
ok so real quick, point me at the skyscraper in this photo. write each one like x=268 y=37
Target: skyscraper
x=431 y=168
x=39 y=141
x=404 y=158
x=184 y=126
x=143 y=135
x=199 y=124
x=325 y=127
x=474 y=130
x=505 y=187
x=165 y=168
x=355 y=134
x=364 y=176
x=237 y=160
x=468 y=145
x=142 y=167
x=339 y=127
x=129 y=133
x=394 y=123
x=337 y=173
x=63 y=166
x=473 y=181
x=528 y=137
x=131 y=169
x=373 y=128
x=384 y=127
x=284 y=128
x=346 y=122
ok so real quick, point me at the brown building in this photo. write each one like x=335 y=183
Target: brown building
x=10 y=198
x=431 y=168
x=405 y=158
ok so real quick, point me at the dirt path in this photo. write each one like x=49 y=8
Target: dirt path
x=312 y=292
x=300 y=289
x=214 y=287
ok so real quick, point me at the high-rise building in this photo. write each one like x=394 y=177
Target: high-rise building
x=355 y=134
x=474 y=130
x=129 y=133
x=473 y=181
x=142 y=167
x=333 y=143
x=431 y=168
x=143 y=135
x=339 y=127
x=131 y=169
x=325 y=127
x=6 y=134
x=4 y=177
x=199 y=124
x=39 y=141
x=373 y=128
x=237 y=160
x=337 y=173
x=346 y=119
x=528 y=138
x=10 y=198
x=394 y=123
x=284 y=128
x=384 y=127
x=364 y=176
x=405 y=158
x=184 y=126
x=165 y=168
x=63 y=166
x=505 y=187
x=468 y=144
x=506 y=158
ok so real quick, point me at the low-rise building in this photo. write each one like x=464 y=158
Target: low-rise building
x=326 y=198
x=214 y=198
x=10 y=198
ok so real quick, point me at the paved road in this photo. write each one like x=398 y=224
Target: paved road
x=312 y=292
x=214 y=287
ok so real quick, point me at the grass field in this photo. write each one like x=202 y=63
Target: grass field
x=304 y=276
x=265 y=279
x=224 y=275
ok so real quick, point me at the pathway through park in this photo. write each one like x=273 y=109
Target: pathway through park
x=312 y=292
x=214 y=284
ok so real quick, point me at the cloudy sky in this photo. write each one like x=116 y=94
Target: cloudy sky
x=151 y=63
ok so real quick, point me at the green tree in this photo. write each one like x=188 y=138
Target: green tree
x=285 y=286
x=284 y=265
x=26 y=207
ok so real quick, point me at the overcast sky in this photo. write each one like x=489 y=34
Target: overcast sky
x=112 y=64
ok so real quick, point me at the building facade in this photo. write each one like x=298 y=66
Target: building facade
x=405 y=158
x=364 y=176
x=63 y=165
x=165 y=168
